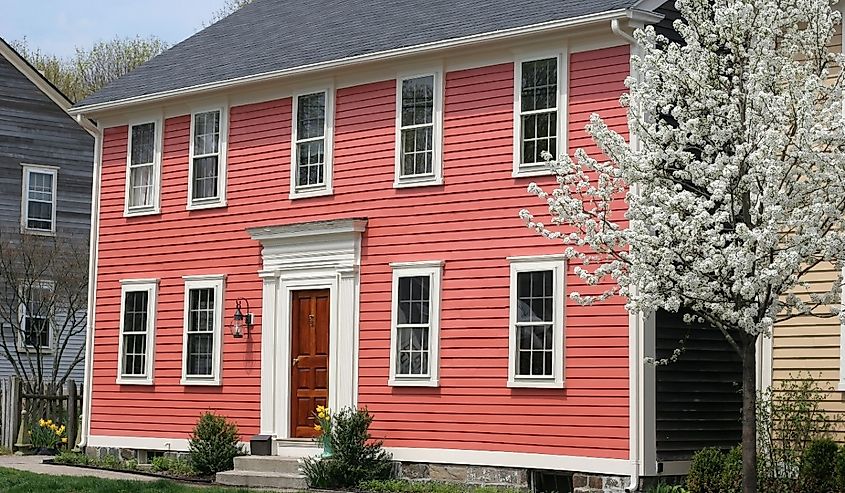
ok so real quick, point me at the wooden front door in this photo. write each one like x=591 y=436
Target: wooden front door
x=310 y=352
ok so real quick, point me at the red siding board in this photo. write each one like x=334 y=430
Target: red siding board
x=471 y=222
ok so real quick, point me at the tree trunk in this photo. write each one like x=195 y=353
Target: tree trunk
x=749 y=416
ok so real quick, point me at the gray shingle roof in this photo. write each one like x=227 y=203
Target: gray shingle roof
x=272 y=35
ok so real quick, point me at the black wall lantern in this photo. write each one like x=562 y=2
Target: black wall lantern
x=241 y=320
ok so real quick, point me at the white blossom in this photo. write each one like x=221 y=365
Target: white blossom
x=737 y=185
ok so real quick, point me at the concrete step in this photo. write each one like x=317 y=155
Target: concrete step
x=256 y=479
x=257 y=463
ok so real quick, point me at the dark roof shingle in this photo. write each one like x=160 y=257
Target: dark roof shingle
x=272 y=35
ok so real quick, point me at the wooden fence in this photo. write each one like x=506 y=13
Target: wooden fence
x=19 y=409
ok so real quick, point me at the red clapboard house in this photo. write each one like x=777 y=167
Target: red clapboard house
x=349 y=176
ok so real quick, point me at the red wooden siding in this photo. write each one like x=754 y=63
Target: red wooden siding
x=471 y=222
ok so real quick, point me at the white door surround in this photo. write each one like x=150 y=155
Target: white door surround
x=314 y=255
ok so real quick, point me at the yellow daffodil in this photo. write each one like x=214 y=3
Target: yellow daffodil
x=41 y=422
x=321 y=415
x=318 y=428
x=49 y=422
x=64 y=440
x=321 y=409
x=62 y=428
x=58 y=433
x=328 y=417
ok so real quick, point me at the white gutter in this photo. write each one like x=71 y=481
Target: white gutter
x=92 y=287
x=635 y=333
x=370 y=57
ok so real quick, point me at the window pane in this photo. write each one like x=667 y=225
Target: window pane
x=200 y=354
x=412 y=351
x=143 y=143
x=134 y=354
x=310 y=158
x=40 y=186
x=535 y=353
x=418 y=101
x=205 y=177
x=37 y=331
x=535 y=295
x=135 y=312
x=539 y=84
x=141 y=186
x=311 y=116
x=206 y=133
x=414 y=300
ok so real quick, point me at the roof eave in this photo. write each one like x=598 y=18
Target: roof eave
x=370 y=57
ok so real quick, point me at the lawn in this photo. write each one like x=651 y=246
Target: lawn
x=12 y=481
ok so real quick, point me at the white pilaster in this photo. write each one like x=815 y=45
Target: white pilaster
x=269 y=329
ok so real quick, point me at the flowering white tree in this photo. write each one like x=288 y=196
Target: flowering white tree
x=733 y=185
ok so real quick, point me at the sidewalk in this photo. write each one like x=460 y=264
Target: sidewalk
x=32 y=463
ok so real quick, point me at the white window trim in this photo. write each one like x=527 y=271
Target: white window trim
x=328 y=149
x=433 y=269
x=223 y=151
x=151 y=287
x=19 y=341
x=47 y=170
x=436 y=175
x=155 y=207
x=217 y=282
x=557 y=264
x=840 y=387
x=539 y=169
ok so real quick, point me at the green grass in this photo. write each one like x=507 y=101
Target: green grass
x=403 y=486
x=12 y=481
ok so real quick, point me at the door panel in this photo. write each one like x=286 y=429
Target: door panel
x=310 y=364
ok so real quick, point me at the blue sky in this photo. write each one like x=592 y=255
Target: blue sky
x=57 y=26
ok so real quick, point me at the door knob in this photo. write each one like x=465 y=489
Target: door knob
x=295 y=361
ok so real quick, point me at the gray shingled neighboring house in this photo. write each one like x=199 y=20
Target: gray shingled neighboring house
x=46 y=163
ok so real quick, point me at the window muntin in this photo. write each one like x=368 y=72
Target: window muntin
x=142 y=175
x=310 y=145
x=206 y=169
x=535 y=323
x=36 y=316
x=538 y=110
x=39 y=207
x=417 y=127
x=203 y=322
x=137 y=331
x=201 y=331
x=413 y=317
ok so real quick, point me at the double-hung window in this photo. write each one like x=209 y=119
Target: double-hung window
x=418 y=129
x=38 y=206
x=36 y=316
x=311 y=168
x=201 y=353
x=142 y=174
x=536 y=322
x=137 y=331
x=207 y=176
x=538 y=117
x=414 y=358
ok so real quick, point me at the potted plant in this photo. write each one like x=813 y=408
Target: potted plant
x=323 y=426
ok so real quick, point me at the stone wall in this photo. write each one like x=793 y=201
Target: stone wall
x=476 y=475
x=587 y=483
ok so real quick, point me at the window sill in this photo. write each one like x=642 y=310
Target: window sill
x=141 y=212
x=31 y=350
x=413 y=382
x=309 y=193
x=125 y=380
x=37 y=232
x=529 y=170
x=197 y=381
x=426 y=181
x=535 y=384
x=195 y=206
x=841 y=387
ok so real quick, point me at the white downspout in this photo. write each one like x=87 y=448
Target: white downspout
x=92 y=285
x=634 y=357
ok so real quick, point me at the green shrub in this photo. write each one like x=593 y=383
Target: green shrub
x=214 y=444
x=110 y=462
x=72 y=459
x=667 y=488
x=404 y=486
x=705 y=473
x=818 y=466
x=173 y=466
x=840 y=469
x=731 y=477
x=357 y=458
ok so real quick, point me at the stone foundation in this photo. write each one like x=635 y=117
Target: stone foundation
x=126 y=453
x=588 y=483
x=475 y=475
